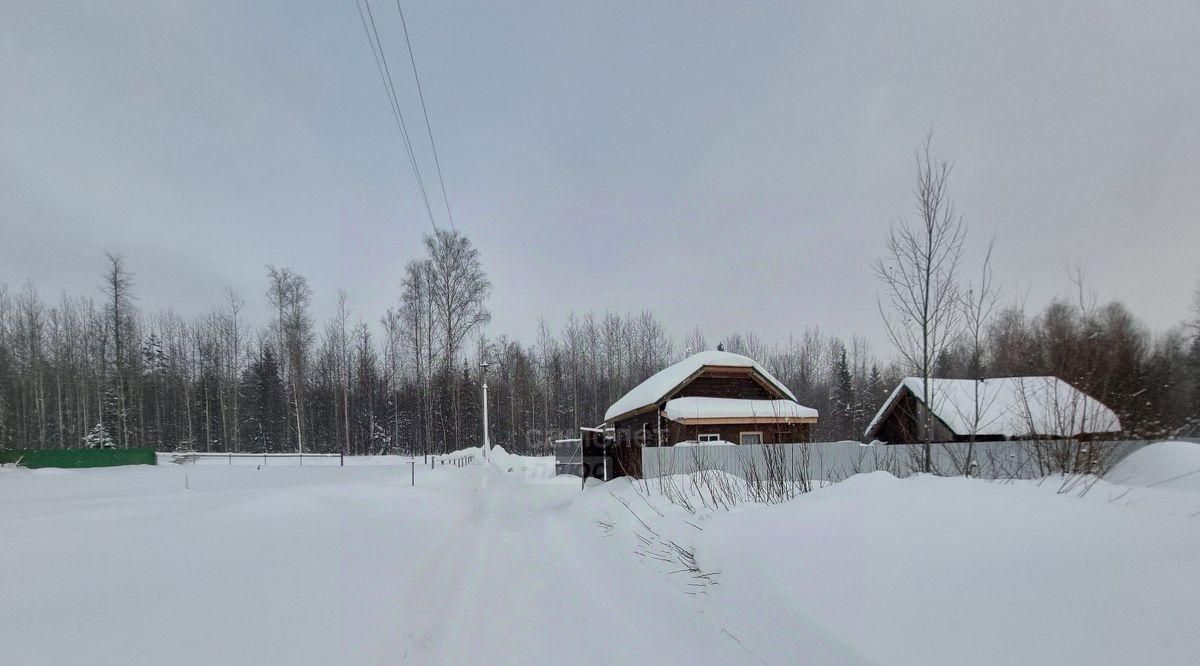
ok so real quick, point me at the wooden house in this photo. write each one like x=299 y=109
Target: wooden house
x=708 y=397
x=1006 y=408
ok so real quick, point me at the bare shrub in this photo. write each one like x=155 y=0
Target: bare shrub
x=652 y=545
x=777 y=474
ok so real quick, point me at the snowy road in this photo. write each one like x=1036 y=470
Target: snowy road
x=201 y=565
x=192 y=566
x=528 y=580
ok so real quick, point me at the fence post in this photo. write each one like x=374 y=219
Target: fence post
x=412 y=468
x=231 y=460
x=341 y=460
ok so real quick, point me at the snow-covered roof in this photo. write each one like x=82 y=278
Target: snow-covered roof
x=1009 y=407
x=692 y=442
x=732 y=408
x=668 y=379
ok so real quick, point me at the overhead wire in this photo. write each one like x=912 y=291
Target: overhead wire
x=389 y=86
x=425 y=110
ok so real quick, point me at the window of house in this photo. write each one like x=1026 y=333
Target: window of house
x=751 y=438
x=711 y=437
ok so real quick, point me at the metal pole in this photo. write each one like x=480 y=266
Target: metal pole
x=412 y=469
x=486 y=442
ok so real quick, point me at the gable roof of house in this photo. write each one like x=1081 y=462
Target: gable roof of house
x=1008 y=407
x=665 y=381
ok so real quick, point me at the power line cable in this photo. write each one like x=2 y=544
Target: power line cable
x=389 y=87
x=428 y=128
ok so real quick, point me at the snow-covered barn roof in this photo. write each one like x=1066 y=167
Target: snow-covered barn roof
x=711 y=409
x=1008 y=407
x=662 y=383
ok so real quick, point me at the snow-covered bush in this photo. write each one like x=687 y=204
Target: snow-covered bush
x=381 y=441
x=98 y=438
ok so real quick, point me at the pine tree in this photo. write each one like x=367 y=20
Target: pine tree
x=98 y=438
x=155 y=370
x=265 y=400
x=875 y=393
x=845 y=404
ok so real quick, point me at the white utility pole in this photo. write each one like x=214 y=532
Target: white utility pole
x=486 y=443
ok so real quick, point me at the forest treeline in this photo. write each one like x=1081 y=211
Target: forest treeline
x=96 y=370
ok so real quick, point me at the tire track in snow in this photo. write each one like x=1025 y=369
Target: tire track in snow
x=435 y=585
x=522 y=582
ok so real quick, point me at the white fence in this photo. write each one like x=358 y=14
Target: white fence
x=835 y=461
x=232 y=459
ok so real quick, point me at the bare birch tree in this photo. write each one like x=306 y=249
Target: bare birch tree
x=118 y=286
x=459 y=289
x=978 y=304
x=417 y=315
x=291 y=295
x=918 y=274
x=695 y=342
x=1193 y=365
x=342 y=364
x=234 y=334
x=545 y=350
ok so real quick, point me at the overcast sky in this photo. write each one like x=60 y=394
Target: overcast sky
x=733 y=165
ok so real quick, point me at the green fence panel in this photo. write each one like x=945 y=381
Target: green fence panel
x=77 y=457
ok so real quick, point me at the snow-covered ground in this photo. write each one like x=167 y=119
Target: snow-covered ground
x=351 y=565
